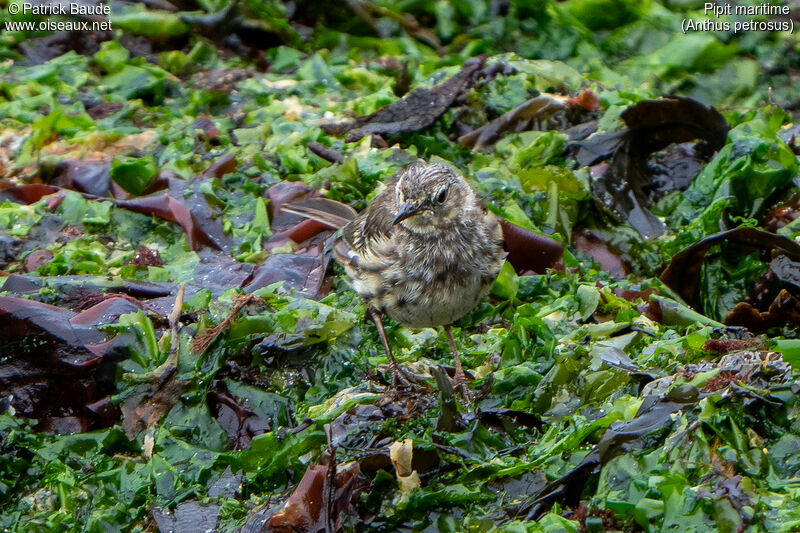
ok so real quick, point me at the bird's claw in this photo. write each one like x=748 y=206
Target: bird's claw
x=401 y=377
x=460 y=382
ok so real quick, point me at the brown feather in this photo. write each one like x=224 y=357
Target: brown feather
x=334 y=214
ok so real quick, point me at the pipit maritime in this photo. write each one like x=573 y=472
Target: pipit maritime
x=425 y=252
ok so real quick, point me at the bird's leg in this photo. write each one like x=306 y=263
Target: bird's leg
x=398 y=375
x=460 y=378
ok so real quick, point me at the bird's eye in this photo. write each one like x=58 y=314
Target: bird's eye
x=442 y=196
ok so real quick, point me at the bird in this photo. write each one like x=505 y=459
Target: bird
x=424 y=252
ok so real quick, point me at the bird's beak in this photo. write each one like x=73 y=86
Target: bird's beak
x=406 y=210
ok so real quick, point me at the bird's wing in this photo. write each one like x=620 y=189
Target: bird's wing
x=372 y=225
x=330 y=212
x=363 y=243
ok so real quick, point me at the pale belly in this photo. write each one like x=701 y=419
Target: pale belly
x=436 y=306
x=422 y=303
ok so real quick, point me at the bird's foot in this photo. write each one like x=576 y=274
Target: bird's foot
x=403 y=378
x=460 y=382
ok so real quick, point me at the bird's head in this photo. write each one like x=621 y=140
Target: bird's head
x=430 y=197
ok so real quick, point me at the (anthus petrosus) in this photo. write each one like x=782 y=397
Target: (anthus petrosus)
x=424 y=252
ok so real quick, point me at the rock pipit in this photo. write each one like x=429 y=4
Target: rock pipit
x=424 y=252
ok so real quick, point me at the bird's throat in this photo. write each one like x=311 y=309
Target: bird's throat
x=422 y=223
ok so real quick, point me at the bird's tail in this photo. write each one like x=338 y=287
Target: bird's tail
x=330 y=212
